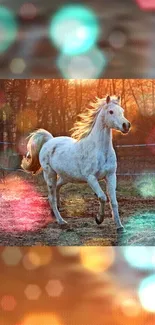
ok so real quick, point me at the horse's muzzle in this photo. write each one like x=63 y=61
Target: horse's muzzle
x=126 y=127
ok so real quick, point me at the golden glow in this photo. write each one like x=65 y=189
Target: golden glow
x=98 y=259
x=41 y=319
x=37 y=256
x=69 y=251
x=27 y=119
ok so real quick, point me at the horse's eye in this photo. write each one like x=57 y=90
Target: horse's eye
x=111 y=112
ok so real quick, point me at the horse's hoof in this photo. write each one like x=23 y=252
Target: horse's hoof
x=120 y=229
x=98 y=221
x=63 y=224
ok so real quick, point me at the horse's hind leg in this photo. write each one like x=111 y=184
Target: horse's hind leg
x=59 y=184
x=51 y=179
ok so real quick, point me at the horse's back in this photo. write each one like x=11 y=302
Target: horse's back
x=60 y=141
x=55 y=145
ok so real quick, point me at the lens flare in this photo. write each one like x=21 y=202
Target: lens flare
x=8 y=28
x=146 y=186
x=74 y=29
x=140 y=257
x=146 y=4
x=89 y=65
x=139 y=228
x=146 y=293
x=22 y=207
x=98 y=259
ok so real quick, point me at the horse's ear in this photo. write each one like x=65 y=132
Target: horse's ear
x=108 y=99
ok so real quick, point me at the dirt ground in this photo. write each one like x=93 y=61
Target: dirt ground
x=26 y=218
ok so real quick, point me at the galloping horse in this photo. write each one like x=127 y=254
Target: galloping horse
x=87 y=156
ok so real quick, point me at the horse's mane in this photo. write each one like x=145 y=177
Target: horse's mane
x=83 y=127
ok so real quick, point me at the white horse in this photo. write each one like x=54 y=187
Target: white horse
x=87 y=156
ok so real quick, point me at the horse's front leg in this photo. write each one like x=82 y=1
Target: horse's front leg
x=94 y=184
x=111 y=189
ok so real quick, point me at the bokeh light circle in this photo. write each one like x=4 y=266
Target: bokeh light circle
x=17 y=65
x=85 y=66
x=54 y=288
x=32 y=292
x=99 y=260
x=8 y=28
x=139 y=232
x=28 y=11
x=37 y=257
x=117 y=39
x=140 y=257
x=11 y=256
x=146 y=293
x=8 y=303
x=74 y=29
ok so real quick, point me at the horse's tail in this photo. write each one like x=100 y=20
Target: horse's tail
x=31 y=163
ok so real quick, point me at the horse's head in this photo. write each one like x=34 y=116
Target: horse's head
x=114 y=116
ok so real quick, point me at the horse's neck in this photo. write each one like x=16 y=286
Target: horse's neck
x=102 y=136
